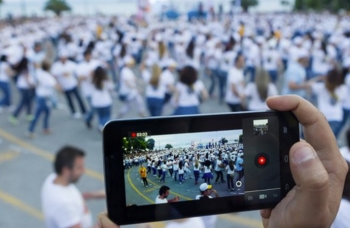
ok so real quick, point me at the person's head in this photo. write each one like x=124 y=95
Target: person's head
x=37 y=47
x=99 y=76
x=188 y=75
x=164 y=191
x=205 y=189
x=45 y=65
x=262 y=81
x=333 y=80
x=3 y=58
x=129 y=61
x=156 y=71
x=63 y=56
x=303 y=58
x=161 y=49
x=69 y=163
x=87 y=55
x=239 y=61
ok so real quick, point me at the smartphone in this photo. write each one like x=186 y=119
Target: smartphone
x=253 y=146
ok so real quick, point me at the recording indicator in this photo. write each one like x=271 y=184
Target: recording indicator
x=261 y=160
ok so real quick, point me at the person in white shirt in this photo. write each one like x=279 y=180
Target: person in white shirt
x=189 y=92
x=259 y=91
x=45 y=84
x=235 y=81
x=168 y=78
x=330 y=97
x=25 y=83
x=128 y=91
x=84 y=72
x=206 y=191
x=5 y=73
x=63 y=204
x=155 y=90
x=64 y=71
x=101 y=97
x=164 y=192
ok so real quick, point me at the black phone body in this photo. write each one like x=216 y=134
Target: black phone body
x=258 y=144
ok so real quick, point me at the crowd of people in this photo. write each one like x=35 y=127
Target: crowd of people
x=180 y=165
x=149 y=66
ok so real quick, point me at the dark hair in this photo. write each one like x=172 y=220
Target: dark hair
x=87 y=52
x=333 y=80
x=190 y=49
x=188 y=75
x=98 y=77
x=45 y=65
x=22 y=65
x=237 y=57
x=3 y=58
x=163 y=190
x=122 y=53
x=65 y=157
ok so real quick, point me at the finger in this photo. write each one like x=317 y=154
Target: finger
x=265 y=215
x=105 y=222
x=312 y=185
x=317 y=130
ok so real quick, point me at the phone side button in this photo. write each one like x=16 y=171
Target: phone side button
x=286 y=187
x=286 y=158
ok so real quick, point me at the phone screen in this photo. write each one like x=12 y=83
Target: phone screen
x=238 y=162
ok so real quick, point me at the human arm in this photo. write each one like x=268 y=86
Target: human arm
x=101 y=194
x=175 y=199
x=317 y=168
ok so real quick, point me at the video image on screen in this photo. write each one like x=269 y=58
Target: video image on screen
x=261 y=127
x=191 y=166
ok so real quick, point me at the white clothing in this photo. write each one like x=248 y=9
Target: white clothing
x=45 y=83
x=236 y=77
x=199 y=196
x=127 y=83
x=329 y=107
x=25 y=81
x=101 y=98
x=4 y=77
x=63 y=206
x=189 y=223
x=255 y=102
x=65 y=74
x=152 y=91
x=189 y=97
x=346 y=102
x=167 y=79
x=159 y=201
x=84 y=73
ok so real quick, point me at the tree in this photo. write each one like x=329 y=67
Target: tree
x=150 y=144
x=223 y=141
x=57 y=6
x=246 y=4
x=138 y=143
x=168 y=146
x=240 y=140
x=319 y=5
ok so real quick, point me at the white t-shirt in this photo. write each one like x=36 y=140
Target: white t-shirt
x=63 y=206
x=101 y=98
x=151 y=91
x=65 y=74
x=85 y=72
x=270 y=59
x=236 y=77
x=329 y=107
x=189 y=223
x=4 y=77
x=189 y=97
x=167 y=79
x=159 y=201
x=45 y=83
x=127 y=76
x=255 y=103
x=25 y=81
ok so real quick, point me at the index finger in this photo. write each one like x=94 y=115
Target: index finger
x=316 y=128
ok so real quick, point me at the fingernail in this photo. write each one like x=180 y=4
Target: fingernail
x=304 y=154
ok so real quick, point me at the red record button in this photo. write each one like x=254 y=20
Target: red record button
x=133 y=135
x=261 y=160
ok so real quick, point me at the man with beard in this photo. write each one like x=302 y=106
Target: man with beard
x=62 y=203
x=164 y=192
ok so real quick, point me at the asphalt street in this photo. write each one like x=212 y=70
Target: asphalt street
x=25 y=163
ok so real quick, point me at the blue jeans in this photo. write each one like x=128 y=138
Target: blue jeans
x=250 y=70
x=273 y=76
x=90 y=113
x=41 y=107
x=335 y=125
x=74 y=92
x=222 y=77
x=186 y=110
x=163 y=176
x=346 y=116
x=6 y=99
x=155 y=106
x=25 y=102
x=104 y=115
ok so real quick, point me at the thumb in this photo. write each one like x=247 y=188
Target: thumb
x=312 y=183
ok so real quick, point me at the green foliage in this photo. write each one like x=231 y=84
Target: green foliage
x=240 y=140
x=168 y=146
x=246 y=4
x=150 y=144
x=224 y=141
x=134 y=144
x=57 y=6
x=320 y=5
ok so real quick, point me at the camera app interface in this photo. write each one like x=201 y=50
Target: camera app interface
x=242 y=163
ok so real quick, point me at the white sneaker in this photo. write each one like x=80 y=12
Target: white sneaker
x=77 y=115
